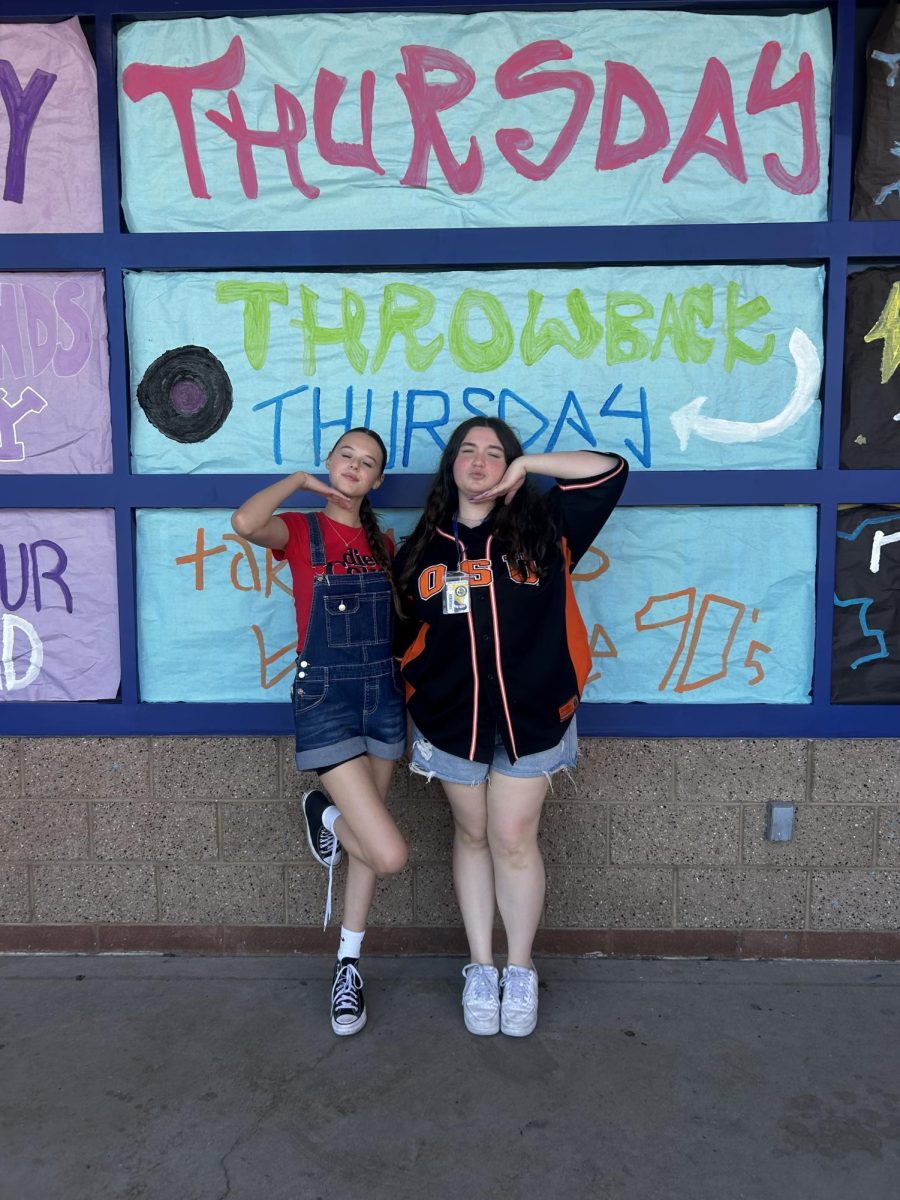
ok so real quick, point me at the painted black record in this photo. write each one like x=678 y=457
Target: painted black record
x=186 y=394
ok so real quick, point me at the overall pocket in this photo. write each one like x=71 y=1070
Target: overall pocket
x=354 y=621
x=309 y=692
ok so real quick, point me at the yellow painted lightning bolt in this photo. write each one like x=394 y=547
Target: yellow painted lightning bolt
x=888 y=327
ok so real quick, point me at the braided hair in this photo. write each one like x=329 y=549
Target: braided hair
x=524 y=526
x=369 y=520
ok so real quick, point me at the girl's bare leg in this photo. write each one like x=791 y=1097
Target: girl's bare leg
x=473 y=874
x=359 y=892
x=513 y=815
x=365 y=828
x=379 y=849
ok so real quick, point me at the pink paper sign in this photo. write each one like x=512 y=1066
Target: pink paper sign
x=54 y=374
x=59 y=621
x=49 y=141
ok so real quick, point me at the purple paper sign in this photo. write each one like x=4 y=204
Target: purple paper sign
x=54 y=375
x=59 y=624
x=49 y=141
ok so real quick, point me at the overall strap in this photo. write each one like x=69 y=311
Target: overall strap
x=316 y=542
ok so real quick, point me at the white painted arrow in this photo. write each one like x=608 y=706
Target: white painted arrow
x=688 y=419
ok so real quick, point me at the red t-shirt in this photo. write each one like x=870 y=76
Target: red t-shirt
x=347 y=552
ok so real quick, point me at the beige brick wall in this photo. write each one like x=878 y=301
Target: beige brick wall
x=652 y=835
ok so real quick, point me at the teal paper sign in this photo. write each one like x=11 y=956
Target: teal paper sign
x=430 y=120
x=693 y=605
x=677 y=368
x=701 y=605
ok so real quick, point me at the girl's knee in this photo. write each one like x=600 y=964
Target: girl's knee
x=471 y=837
x=390 y=859
x=515 y=844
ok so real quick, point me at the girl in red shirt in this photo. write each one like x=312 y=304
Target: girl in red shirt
x=349 y=720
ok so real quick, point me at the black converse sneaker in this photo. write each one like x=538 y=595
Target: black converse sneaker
x=348 y=1005
x=325 y=847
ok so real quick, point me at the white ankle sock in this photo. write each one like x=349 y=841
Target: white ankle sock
x=351 y=943
x=329 y=816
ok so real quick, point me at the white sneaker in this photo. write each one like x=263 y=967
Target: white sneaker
x=519 y=1006
x=481 y=999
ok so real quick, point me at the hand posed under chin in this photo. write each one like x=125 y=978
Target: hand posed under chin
x=508 y=486
x=309 y=483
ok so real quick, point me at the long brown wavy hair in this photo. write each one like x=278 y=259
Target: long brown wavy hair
x=369 y=520
x=523 y=526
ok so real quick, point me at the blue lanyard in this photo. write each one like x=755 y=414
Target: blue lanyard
x=459 y=545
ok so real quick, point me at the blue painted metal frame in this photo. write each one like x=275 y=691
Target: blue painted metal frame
x=838 y=243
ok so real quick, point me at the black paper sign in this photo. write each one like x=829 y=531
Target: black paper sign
x=865 y=653
x=870 y=418
x=876 y=191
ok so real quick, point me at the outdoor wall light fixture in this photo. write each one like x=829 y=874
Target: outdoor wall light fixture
x=779 y=821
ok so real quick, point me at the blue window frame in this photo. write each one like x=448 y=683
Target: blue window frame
x=838 y=243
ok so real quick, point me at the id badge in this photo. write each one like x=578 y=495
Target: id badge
x=456 y=592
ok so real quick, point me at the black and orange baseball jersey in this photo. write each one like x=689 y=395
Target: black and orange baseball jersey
x=516 y=663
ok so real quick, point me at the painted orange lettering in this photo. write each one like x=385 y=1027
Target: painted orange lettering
x=705 y=607
x=266 y=660
x=718 y=618
x=250 y=558
x=588 y=575
x=687 y=594
x=752 y=650
x=610 y=650
x=198 y=557
x=273 y=568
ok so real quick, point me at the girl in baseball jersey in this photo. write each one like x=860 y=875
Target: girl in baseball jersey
x=494 y=657
x=349 y=721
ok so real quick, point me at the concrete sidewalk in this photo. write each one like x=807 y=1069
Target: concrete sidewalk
x=163 y=1078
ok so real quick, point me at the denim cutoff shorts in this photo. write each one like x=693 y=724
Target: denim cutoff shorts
x=426 y=759
x=343 y=711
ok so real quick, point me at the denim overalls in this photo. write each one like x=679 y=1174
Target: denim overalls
x=347 y=694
